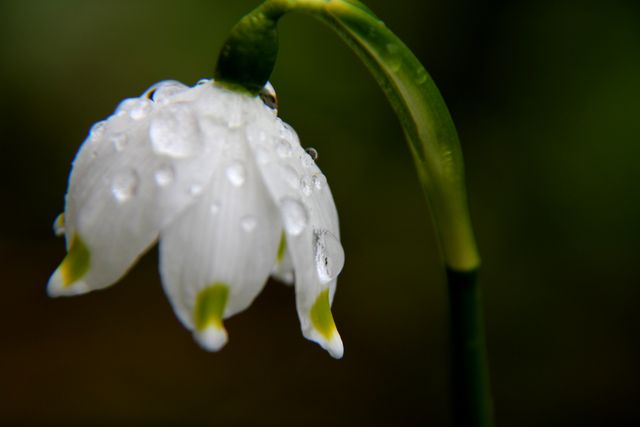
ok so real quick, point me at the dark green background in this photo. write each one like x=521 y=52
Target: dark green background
x=545 y=95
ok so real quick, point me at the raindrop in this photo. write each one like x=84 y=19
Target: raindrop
x=125 y=185
x=329 y=255
x=236 y=173
x=294 y=215
x=312 y=152
x=97 y=130
x=421 y=75
x=195 y=189
x=318 y=181
x=204 y=82
x=306 y=185
x=248 y=223
x=268 y=97
x=164 y=175
x=163 y=91
x=175 y=133
x=137 y=108
x=286 y=132
x=214 y=208
x=58 y=225
x=261 y=156
x=235 y=116
x=283 y=149
x=256 y=135
x=119 y=141
x=291 y=177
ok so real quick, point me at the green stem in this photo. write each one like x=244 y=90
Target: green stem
x=470 y=390
x=246 y=62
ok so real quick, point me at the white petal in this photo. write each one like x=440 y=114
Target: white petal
x=283 y=268
x=127 y=183
x=228 y=239
x=310 y=221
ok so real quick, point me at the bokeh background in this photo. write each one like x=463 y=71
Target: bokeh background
x=545 y=95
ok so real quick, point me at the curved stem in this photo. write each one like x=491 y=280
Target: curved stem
x=246 y=62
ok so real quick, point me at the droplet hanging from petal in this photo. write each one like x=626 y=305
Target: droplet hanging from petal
x=329 y=255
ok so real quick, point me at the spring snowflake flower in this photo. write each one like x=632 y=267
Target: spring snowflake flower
x=226 y=189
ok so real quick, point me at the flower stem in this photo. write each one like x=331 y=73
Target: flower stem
x=246 y=62
x=470 y=385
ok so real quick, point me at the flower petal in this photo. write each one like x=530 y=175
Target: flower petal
x=227 y=240
x=135 y=173
x=310 y=222
x=283 y=268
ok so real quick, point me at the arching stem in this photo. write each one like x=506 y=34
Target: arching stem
x=246 y=62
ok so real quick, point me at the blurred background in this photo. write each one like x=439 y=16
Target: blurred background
x=545 y=95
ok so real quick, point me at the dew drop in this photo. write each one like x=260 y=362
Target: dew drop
x=286 y=132
x=290 y=176
x=161 y=92
x=204 y=82
x=248 y=223
x=137 y=108
x=312 y=152
x=235 y=116
x=306 y=185
x=262 y=157
x=283 y=149
x=125 y=185
x=318 y=181
x=175 y=133
x=195 y=189
x=329 y=255
x=294 y=215
x=421 y=75
x=236 y=173
x=164 y=175
x=119 y=141
x=97 y=130
x=58 y=225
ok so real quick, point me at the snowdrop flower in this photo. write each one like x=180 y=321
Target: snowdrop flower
x=226 y=189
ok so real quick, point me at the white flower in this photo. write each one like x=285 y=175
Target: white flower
x=220 y=181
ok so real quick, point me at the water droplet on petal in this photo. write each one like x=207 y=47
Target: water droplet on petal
x=137 y=108
x=161 y=92
x=248 y=223
x=312 y=152
x=235 y=119
x=262 y=157
x=164 y=175
x=125 y=185
x=195 y=189
x=58 y=225
x=286 y=132
x=294 y=215
x=175 y=133
x=306 y=185
x=97 y=130
x=283 y=149
x=318 y=181
x=119 y=141
x=214 y=208
x=290 y=176
x=236 y=173
x=204 y=82
x=329 y=255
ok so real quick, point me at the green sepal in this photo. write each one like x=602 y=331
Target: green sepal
x=210 y=304
x=76 y=264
